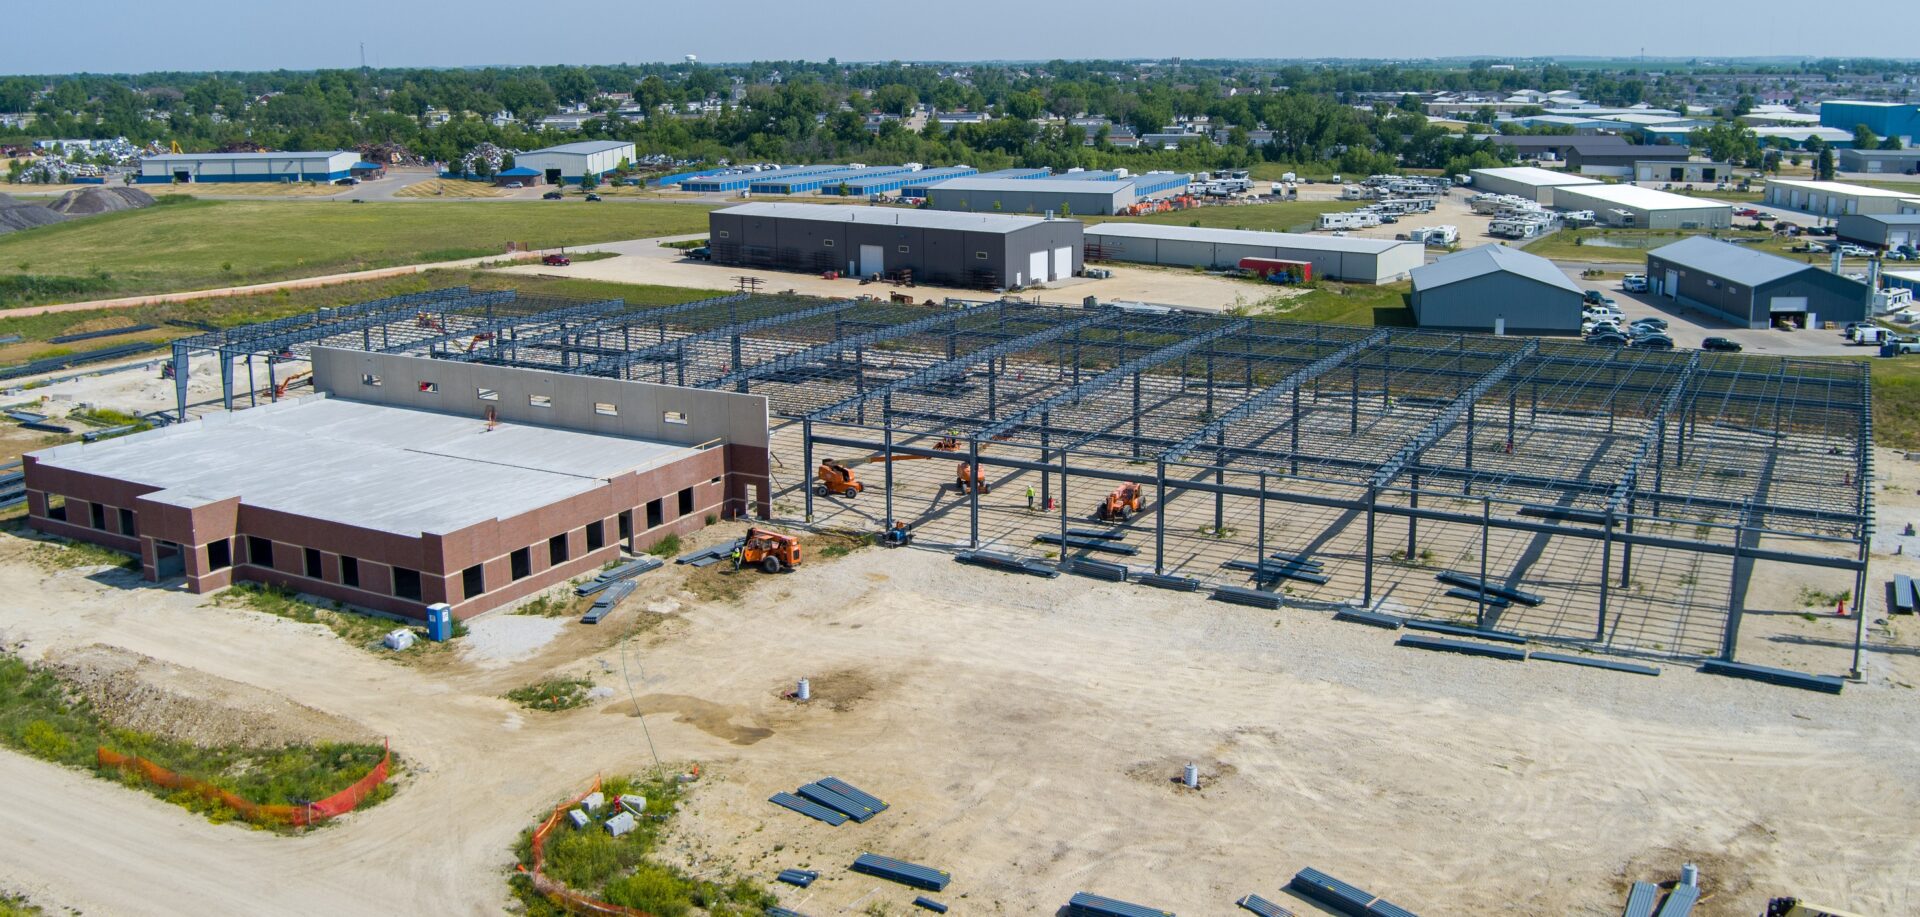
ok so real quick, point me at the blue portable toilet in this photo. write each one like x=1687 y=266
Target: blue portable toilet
x=439 y=622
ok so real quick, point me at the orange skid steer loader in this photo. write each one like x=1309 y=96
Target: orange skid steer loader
x=1123 y=502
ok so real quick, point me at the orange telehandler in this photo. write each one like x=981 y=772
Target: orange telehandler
x=1123 y=502
x=774 y=552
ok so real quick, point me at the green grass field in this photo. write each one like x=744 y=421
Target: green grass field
x=196 y=244
x=1896 y=402
x=1286 y=216
x=237 y=310
x=1345 y=304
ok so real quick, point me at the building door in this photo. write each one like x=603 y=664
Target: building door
x=1062 y=262
x=553 y=176
x=873 y=260
x=1037 y=266
x=1672 y=286
x=168 y=561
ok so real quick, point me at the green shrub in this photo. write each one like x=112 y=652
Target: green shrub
x=654 y=889
x=552 y=695
x=667 y=546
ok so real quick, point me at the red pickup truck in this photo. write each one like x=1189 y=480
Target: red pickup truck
x=556 y=260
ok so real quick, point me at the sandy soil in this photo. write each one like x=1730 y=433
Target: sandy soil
x=1027 y=733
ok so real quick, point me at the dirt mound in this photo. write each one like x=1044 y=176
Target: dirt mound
x=137 y=692
x=89 y=201
x=16 y=214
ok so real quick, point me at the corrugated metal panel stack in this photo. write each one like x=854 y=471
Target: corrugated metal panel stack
x=1085 y=904
x=901 y=871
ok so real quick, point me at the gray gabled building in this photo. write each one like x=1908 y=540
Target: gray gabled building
x=984 y=250
x=1752 y=289
x=1498 y=289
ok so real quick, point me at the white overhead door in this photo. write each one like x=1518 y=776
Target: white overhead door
x=1673 y=284
x=1063 y=262
x=1036 y=268
x=1787 y=304
x=872 y=260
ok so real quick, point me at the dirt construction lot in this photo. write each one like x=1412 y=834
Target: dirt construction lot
x=645 y=261
x=1026 y=733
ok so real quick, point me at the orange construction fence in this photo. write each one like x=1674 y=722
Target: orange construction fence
x=312 y=813
x=558 y=891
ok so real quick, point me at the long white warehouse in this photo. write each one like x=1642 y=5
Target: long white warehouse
x=1353 y=259
x=1526 y=181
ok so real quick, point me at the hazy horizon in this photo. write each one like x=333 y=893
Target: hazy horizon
x=199 y=35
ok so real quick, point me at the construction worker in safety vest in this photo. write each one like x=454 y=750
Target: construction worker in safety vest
x=1029 y=498
x=736 y=558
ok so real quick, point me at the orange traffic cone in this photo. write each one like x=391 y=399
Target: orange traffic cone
x=1840 y=610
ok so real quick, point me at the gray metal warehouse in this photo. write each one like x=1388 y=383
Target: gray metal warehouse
x=1883 y=161
x=1880 y=230
x=1349 y=258
x=1526 y=181
x=1644 y=208
x=988 y=251
x=1498 y=289
x=1063 y=197
x=1751 y=288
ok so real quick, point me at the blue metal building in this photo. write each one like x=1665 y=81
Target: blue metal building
x=802 y=184
x=923 y=180
x=1158 y=183
x=885 y=183
x=738 y=180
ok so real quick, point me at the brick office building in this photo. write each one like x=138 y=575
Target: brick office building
x=408 y=481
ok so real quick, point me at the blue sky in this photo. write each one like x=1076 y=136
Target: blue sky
x=124 y=36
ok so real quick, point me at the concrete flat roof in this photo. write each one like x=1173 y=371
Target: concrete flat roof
x=241 y=157
x=1050 y=185
x=1644 y=198
x=583 y=147
x=1538 y=177
x=377 y=467
x=1352 y=244
x=886 y=216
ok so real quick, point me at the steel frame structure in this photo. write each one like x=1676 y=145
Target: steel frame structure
x=1762 y=459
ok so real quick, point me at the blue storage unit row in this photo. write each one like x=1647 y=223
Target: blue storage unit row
x=882 y=185
x=678 y=177
x=923 y=181
x=1089 y=175
x=1084 y=904
x=818 y=181
x=901 y=871
x=1160 y=183
x=739 y=181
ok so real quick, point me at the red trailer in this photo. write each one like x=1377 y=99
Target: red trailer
x=1277 y=270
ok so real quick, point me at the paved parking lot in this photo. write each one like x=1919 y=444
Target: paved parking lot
x=1688 y=326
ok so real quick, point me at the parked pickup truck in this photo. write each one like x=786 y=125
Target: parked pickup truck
x=1893 y=347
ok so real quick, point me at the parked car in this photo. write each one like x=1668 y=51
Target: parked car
x=1608 y=340
x=1654 y=342
x=1720 y=345
x=592 y=196
x=1855 y=251
x=1596 y=298
x=1657 y=324
x=556 y=260
x=514 y=185
x=1746 y=212
x=552 y=196
x=1634 y=283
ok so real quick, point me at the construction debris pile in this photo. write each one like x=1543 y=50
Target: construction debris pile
x=89 y=201
x=493 y=156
